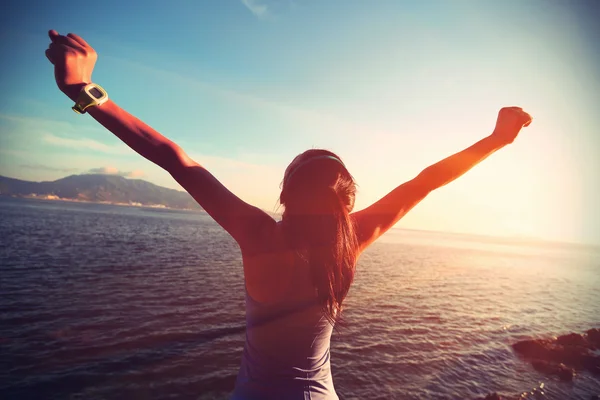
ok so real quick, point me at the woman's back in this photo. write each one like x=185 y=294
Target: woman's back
x=286 y=353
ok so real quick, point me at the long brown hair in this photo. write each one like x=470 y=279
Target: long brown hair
x=318 y=194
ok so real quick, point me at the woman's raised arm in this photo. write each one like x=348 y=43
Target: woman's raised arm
x=375 y=220
x=73 y=61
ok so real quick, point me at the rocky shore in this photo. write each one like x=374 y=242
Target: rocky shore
x=563 y=357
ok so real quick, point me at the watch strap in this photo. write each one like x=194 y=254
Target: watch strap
x=85 y=100
x=80 y=107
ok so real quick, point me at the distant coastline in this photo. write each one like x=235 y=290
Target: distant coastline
x=119 y=191
x=413 y=233
x=51 y=197
x=100 y=189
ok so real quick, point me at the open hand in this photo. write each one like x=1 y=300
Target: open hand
x=73 y=61
x=509 y=123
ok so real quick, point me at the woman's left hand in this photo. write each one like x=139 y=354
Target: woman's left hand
x=509 y=123
x=73 y=61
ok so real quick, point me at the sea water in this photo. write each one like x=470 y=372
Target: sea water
x=111 y=302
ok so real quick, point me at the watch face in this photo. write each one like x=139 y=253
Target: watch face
x=96 y=92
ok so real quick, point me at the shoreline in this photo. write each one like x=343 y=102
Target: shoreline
x=131 y=204
x=464 y=235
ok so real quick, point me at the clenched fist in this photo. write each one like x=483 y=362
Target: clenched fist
x=73 y=61
x=509 y=123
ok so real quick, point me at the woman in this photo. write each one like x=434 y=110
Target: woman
x=297 y=271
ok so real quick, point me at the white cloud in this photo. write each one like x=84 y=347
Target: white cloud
x=25 y=130
x=110 y=170
x=257 y=8
x=138 y=173
x=104 y=170
x=88 y=144
x=247 y=175
x=44 y=124
x=41 y=167
x=269 y=9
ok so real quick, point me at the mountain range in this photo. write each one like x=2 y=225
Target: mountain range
x=100 y=188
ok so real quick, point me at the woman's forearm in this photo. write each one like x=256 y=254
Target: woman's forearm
x=136 y=134
x=447 y=170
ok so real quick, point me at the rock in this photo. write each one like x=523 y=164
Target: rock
x=591 y=363
x=564 y=373
x=593 y=336
x=574 y=356
x=535 y=348
x=573 y=339
x=560 y=356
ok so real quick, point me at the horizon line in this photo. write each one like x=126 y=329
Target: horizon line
x=528 y=239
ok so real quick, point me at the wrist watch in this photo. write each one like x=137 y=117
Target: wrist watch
x=90 y=95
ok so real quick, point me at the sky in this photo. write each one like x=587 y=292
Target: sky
x=391 y=86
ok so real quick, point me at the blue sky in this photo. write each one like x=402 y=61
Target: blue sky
x=391 y=86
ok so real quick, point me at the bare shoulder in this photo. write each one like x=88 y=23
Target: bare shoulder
x=247 y=224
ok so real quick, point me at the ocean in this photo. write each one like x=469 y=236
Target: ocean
x=110 y=302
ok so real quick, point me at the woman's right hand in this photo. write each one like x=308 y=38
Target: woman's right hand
x=509 y=123
x=73 y=61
